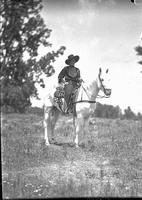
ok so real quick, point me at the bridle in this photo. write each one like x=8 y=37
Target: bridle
x=84 y=101
x=106 y=91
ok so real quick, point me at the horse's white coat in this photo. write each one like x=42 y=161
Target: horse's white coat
x=45 y=128
x=83 y=109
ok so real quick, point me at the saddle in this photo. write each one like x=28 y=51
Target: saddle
x=64 y=98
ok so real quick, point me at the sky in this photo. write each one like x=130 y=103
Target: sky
x=104 y=34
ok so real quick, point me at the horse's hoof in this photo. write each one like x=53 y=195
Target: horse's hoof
x=52 y=141
x=71 y=144
x=76 y=145
x=47 y=143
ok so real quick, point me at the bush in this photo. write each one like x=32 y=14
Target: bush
x=35 y=110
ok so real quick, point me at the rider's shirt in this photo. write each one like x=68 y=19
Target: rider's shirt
x=69 y=73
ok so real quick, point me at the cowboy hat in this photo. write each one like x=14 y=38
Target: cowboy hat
x=70 y=58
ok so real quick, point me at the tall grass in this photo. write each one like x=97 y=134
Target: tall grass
x=109 y=164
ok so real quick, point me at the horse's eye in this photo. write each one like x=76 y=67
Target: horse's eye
x=102 y=79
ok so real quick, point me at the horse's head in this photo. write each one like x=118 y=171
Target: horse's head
x=103 y=81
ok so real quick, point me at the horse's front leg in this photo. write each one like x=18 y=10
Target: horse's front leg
x=76 y=125
x=80 y=126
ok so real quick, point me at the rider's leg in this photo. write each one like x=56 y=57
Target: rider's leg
x=68 y=91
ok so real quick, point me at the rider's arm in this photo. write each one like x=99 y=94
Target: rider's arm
x=61 y=75
x=78 y=74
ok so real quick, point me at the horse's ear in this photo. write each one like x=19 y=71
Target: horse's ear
x=100 y=70
x=107 y=71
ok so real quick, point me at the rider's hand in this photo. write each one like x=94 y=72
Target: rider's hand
x=81 y=80
x=61 y=84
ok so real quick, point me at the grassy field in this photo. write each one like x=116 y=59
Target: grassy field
x=108 y=162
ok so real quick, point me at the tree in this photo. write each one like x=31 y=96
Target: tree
x=23 y=31
x=138 y=49
x=139 y=52
x=129 y=114
x=107 y=111
x=139 y=116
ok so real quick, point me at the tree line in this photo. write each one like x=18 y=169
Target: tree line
x=102 y=111
x=113 y=112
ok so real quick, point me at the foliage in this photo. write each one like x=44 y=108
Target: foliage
x=101 y=111
x=113 y=112
x=139 y=53
x=138 y=49
x=139 y=116
x=22 y=32
x=129 y=114
x=35 y=110
x=107 y=111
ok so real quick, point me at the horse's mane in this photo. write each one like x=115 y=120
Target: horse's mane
x=89 y=90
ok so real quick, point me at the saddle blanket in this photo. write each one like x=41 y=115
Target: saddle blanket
x=64 y=99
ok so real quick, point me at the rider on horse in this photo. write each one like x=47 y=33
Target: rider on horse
x=70 y=72
x=69 y=79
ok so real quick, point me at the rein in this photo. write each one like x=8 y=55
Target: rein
x=85 y=91
x=100 y=97
x=89 y=101
x=84 y=101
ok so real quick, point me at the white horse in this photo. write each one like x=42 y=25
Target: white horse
x=84 y=105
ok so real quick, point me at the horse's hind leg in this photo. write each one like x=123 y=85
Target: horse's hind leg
x=76 y=130
x=45 y=123
x=53 y=117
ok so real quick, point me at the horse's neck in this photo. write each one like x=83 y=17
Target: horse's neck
x=94 y=90
x=88 y=93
